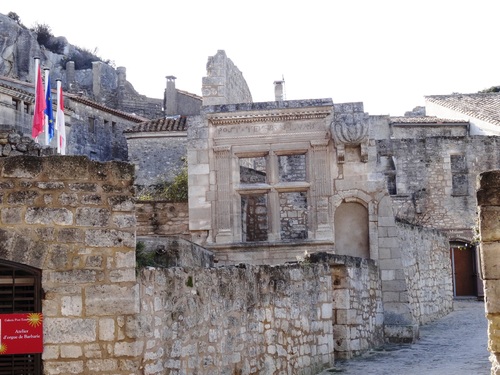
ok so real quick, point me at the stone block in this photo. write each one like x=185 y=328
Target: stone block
x=490 y=230
x=111 y=300
x=109 y=238
x=92 y=217
x=69 y=331
x=71 y=305
x=128 y=349
x=12 y=215
x=71 y=351
x=107 y=329
x=63 y=368
x=100 y=365
x=490 y=260
x=48 y=216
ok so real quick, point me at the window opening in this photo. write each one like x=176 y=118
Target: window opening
x=252 y=170
x=254 y=217
x=292 y=168
x=293 y=215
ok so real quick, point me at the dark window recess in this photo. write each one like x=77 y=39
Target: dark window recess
x=113 y=127
x=254 y=217
x=91 y=125
x=391 y=184
x=16 y=104
x=20 y=292
x=459 y=175
x=26 y=108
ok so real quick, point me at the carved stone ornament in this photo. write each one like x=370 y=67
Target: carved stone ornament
x=350 y=127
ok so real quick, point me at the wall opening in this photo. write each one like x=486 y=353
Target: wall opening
x=351 y=230
x=293 y=215
x=254 y=218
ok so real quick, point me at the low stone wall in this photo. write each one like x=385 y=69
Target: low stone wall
x=259 y=319
x=425 y=255
x=162 y=219
x=176 y=252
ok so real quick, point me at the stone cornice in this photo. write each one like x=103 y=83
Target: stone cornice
x=228 y=119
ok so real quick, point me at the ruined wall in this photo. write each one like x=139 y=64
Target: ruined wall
x=162 y=218
x=74 y=220
x=175 y=252
x=224 y=83
x=157 y=157
x=435 y=179
x=358 y=315
x=95 y=133
x=488 y=193
x=426 y=263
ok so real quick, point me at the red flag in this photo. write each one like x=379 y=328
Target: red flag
x=38 y=115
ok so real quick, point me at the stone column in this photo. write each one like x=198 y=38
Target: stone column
x=322 y=189
x=223 y=202
x=488 y=198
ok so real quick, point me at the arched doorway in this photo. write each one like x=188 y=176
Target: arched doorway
x=351 y=230
x=20 y=292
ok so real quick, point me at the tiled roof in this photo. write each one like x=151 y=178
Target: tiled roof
x=425 y=120
x=483 y=106
x=29 y=95
x=90 y=103
x=169 y=124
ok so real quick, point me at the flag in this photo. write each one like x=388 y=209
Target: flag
x=48 y=111
x=38 y=115
x=60 y=126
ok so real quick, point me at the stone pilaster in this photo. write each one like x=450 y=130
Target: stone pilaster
x=223 y=203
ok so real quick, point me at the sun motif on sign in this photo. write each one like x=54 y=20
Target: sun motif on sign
x=35 y=319
x=3 y=348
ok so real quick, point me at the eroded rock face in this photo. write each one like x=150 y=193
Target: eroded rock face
x=18 y=46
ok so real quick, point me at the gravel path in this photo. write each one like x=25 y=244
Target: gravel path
x=454 y=345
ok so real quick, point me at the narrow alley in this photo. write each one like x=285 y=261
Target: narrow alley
x=453 y=345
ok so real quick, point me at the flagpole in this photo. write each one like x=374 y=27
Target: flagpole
x=37 y=65
x=46 y=121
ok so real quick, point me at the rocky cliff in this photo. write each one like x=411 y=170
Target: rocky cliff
x=101 y=83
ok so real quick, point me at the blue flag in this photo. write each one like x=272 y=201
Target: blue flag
x=49 y=112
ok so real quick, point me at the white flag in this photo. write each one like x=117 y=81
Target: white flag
x=61 y=128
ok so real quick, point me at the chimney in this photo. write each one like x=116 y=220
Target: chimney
x=171 y=97
x=278 y=90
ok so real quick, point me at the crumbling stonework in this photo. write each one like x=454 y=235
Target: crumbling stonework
x=162 y=219
x=224 y=83
x=488 y=193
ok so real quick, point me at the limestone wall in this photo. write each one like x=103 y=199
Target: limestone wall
x=162 y=218
x=426 y=263
x=488 y=194
x=432 y=190
x=74 y=219
x=224 y=83
x=259 y=319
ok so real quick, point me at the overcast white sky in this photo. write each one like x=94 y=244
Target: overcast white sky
x=387 y=54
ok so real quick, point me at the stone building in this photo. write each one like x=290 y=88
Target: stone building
x=317 y=231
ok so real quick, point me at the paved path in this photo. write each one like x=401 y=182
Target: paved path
x=453 y=345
